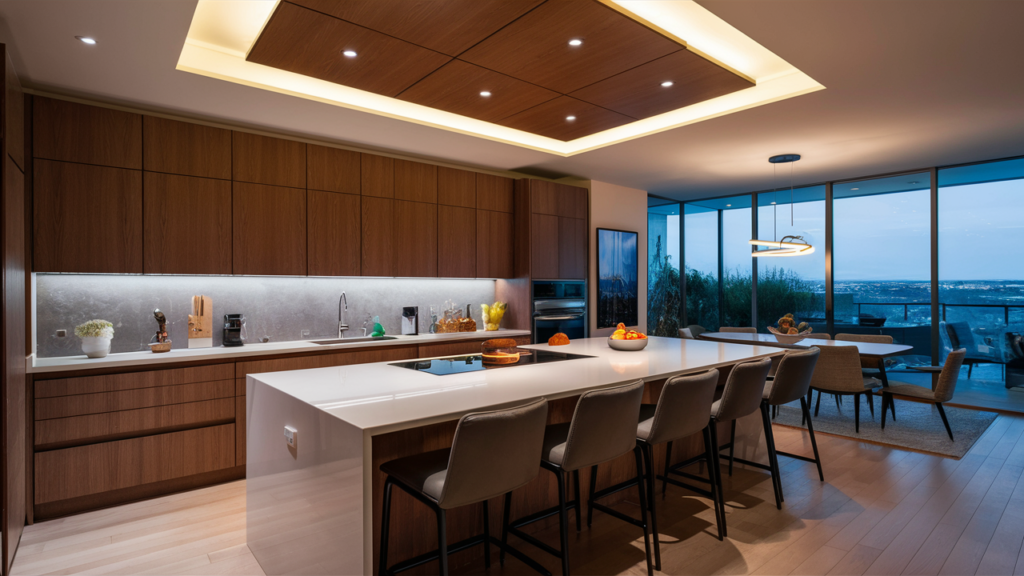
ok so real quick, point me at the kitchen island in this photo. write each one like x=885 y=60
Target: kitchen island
x=312 y=503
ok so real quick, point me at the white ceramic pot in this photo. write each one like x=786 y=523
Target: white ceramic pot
x=96 y=346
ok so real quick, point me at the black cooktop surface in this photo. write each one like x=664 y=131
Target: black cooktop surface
x=474 y=362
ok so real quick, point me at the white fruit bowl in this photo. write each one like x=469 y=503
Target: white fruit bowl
x=627 y=345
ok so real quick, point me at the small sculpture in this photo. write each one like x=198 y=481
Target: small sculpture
x=161 y=333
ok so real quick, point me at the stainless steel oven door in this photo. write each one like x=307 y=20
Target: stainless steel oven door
x=547 y=325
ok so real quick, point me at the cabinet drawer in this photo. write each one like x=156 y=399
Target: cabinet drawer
x=469 y=347
x=81 y=404
x=113 y=425
x=132 y=380
x=85 y=470
x=389 y=354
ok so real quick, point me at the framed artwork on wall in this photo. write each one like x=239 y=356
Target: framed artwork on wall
x=617 y=278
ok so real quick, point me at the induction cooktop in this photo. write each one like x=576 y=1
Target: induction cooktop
x=474 y=362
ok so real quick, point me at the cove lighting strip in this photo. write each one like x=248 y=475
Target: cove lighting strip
x=222 y=33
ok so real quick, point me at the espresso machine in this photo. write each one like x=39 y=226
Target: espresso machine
x=234 y=325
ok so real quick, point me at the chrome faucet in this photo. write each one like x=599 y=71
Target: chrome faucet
x=342 y=325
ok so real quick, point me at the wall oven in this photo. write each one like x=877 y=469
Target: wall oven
x=559 y=306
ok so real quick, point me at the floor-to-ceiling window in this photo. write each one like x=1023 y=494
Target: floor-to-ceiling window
x=737 y=263
x=664 y=296
x=882 y=260
x=792 y=285
x=981 y=272
x=700 y=259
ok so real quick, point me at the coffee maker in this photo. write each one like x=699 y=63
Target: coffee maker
x=410 y=320
x=234 y=324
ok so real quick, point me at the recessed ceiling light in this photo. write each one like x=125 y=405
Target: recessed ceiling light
x=349 y=53
x=773 y=202
x=575 y=42
x=728 y=205
x=666 y=84
x=485 y=93
x=854 y=188
x=86 y=39
x=913 y=182
x=570 y=118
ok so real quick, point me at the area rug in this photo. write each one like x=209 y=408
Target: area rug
x=918 y=425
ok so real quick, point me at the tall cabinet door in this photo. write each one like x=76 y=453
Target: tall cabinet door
x=415 y=234
x=269 y=230
x=334 y=233
x=186 y=230
x=572 y=248
x=544 y=246
x=494 y=241
x=376 y=241
x=457 y=240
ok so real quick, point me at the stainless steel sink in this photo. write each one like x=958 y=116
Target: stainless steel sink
x=354 y=340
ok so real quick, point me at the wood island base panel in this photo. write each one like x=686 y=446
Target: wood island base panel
x=314 y=506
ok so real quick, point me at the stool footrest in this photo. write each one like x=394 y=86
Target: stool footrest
x=546 y=513
x=531 y=540
x=796 y=456
x=748 y=462
x=694 y=460
x=434 y=555
x=617 y=514
x=691 y=488
x=613 y=489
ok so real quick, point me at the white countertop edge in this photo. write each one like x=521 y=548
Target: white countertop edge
x=68 y=363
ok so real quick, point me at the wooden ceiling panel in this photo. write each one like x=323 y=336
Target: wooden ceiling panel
x=550 y=119
x=456 y=88
x=639 y=93
x=447 y=26
x=535 y=48
x=306 y=42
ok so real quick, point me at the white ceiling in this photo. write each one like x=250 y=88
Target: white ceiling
x=908 y=85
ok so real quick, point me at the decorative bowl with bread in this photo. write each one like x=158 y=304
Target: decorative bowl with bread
x=627 y=340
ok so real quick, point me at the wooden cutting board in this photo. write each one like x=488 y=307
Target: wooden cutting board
x=200 y=323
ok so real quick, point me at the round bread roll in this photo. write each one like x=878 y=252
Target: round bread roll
x=498 y=344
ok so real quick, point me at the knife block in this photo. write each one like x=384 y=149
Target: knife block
x=200 y=323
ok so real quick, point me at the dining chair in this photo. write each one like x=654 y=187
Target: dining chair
x=695 y=330
x=961 y=336
x=943 y=392
x=838 y=372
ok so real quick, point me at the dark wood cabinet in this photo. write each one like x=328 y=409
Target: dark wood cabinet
x=544 y=246
x=456 y=187
x=494 y=193
x=332 y=169
x=265 y=160
x=415 y=233
x=572 y=248
x=334 y=234
x=572 y=201
x=72 y=132
x=268 y=230
x=415 y=181
x=175 y=147
x=87 y=218
x=377 y=176
x=377 y=239
x=543 y=197
x=494 y=244
x=186 y=230
x=456 y=245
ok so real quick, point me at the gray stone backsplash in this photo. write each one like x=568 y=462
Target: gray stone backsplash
x=278 y=308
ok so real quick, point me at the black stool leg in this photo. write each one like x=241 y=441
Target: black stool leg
x=506 y=517
x=708 y=455
x=817 y=404
x=886 y=399
x=716 y=458
x=668 y=463
x=590 y=497
x=640 y=482
x=942 y=412
x=772 y=464
x=576 y=490
x=442 y=542
x=732 y=445
x=648 y=453
x=487 y=537
x=856 y=413
x=814 y=443
x=385 y=528
x=563 y=522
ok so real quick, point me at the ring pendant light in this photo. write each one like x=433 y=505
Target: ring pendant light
x=789 y=245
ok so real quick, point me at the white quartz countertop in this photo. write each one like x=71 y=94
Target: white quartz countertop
x=147 y=358
x=380 y=398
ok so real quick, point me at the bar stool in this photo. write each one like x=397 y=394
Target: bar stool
x=493 y=453
x=743 y=395
x=681 y=412
x=792 y=382
x=603 y=427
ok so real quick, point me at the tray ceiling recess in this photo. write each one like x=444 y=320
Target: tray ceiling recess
x=559 y=76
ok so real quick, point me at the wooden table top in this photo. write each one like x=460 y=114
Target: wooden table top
x=868 y=349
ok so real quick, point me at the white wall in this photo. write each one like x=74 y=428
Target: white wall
x=621 y=208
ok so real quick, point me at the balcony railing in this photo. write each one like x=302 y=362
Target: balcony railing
x=906 y=307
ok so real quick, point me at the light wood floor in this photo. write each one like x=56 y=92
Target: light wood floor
x=880 y=511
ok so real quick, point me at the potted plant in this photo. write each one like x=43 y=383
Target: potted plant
x=96 y=336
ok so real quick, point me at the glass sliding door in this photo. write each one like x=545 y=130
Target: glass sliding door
x=664 y=300
x=700 y=259
x=882 y=260
x=792 y=285
x=981 y=273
